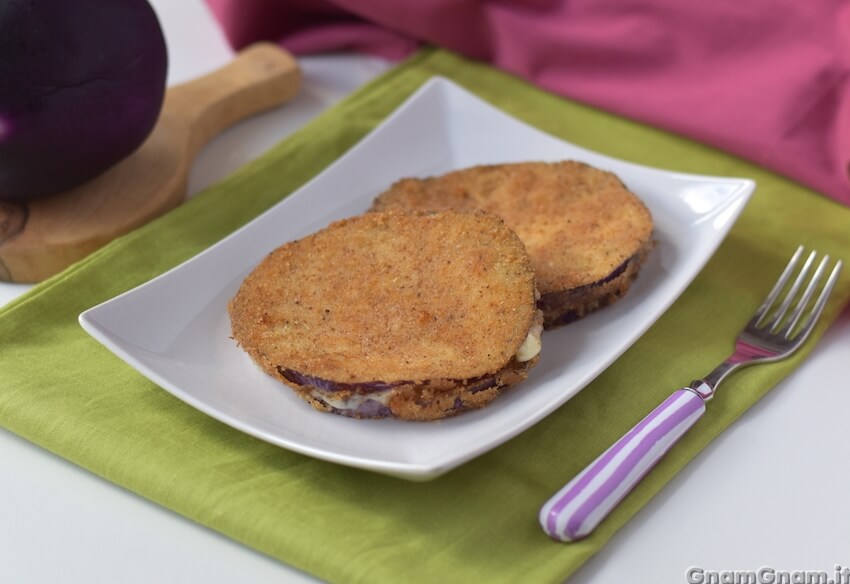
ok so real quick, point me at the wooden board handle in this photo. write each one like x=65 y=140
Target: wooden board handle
x=259 y=78
x=42 y=237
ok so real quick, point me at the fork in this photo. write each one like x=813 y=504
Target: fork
x=770 y=335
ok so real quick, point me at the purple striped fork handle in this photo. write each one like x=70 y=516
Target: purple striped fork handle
x=575 y=511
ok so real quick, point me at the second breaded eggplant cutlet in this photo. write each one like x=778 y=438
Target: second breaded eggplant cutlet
x=412 y=315
x=586 y=233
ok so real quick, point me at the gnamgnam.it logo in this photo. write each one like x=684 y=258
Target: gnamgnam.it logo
x=767 y=575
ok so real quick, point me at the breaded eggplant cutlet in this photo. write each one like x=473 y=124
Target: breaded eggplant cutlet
x=586 y=233
x=411 y=315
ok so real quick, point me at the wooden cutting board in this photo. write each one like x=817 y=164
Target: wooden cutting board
x=42 y=237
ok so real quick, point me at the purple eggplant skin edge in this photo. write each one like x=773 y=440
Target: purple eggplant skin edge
x=571 y=316
x=475 y=384
x=614 y=274
x=370 y=408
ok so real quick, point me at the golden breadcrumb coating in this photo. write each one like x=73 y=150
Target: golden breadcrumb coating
x=578 y=223
x=427 y=299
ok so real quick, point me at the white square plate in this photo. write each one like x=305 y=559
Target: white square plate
x=183 y=343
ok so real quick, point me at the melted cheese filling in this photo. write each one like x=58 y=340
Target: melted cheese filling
x=531 y=345
x=352 y=402
x=528 y=350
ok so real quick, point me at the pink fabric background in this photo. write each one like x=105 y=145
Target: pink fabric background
x=766 y=80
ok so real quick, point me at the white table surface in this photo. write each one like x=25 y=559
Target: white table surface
x=773 y=490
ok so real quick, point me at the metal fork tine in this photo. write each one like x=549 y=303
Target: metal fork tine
x=804 y=299
x=813 y=317
x=792 y=293
x=779 y=315
x=777 y=288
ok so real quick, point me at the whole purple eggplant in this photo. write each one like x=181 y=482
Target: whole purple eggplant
x=81 y=87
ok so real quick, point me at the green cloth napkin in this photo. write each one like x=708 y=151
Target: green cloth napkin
x=62 y=390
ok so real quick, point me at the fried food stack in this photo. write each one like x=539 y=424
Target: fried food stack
x=433 y=303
